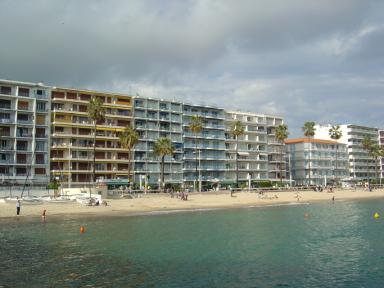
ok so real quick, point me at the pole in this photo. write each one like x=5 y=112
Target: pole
x=199 y=170
x=290 y=170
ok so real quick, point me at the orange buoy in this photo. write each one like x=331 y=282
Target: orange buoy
x=82 y=229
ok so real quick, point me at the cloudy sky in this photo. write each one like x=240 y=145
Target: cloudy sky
x=304 y=60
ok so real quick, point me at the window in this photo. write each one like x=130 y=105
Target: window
x=5 y=90
x=40 y=92
x=5 y=104
x=40 y=106
x=40 y=171
x=24 y=92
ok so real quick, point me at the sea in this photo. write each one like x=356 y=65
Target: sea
x=324 y=244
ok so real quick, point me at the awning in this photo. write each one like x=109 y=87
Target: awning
x=243 y=153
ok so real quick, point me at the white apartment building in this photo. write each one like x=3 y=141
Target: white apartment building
x=259 y=153
x=24 y=132
x=316 y=161
x=381 y=142
x=361 y=165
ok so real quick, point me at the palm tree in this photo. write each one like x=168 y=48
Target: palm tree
x=237 y=129
x=128 y=139
x=281 y=133
x=162 y=148
x=309 y=131
x=335 y=134
x=368 y=145
x=96 y=113
x=196 y=126
x=376 y=153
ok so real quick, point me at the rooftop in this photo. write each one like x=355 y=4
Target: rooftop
x=309 y=140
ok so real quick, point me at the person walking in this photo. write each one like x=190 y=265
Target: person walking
x=17 y=206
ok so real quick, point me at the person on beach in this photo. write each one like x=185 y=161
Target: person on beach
x=17 y=206
x=43 y=215
x=333 y=199
x=231 y=190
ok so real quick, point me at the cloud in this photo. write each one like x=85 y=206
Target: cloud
x=304 y=60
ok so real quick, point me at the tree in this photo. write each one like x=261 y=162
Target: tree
x=96 y=113
x=237 y=129
x=369 y=145
x=196 y=126
x=309 y=131
x=128 y=139
x=335 y=134
x=162 y=148
x=281 y=133
x=376 y=153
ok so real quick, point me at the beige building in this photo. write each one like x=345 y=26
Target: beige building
x=72 y=137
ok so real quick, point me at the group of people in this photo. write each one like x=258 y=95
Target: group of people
x=320 y=188
x=183 y=195
x=18 y=208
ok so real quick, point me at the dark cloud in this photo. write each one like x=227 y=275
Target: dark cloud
x=304 y=60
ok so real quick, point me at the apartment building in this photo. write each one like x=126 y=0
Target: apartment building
x=314 y=161
x=276 y=162
x=72 y=137
x=24 y=132
x=253 y=155
x=211 y=149
x=153 y=119
x=361 y=165
x=46 y=134
x=381 y=142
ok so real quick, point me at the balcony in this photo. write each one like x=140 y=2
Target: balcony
x=24 y=135
x=25 y=122
x=5 y=106
x=5 y=120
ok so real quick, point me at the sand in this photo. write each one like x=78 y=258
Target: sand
x=155 y=203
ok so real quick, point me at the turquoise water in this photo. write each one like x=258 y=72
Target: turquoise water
x=339 y=245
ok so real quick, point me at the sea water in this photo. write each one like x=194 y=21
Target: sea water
x=317 y=245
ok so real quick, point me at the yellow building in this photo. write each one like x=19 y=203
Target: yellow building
x=72 y=137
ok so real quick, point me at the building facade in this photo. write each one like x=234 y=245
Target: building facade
x=72 y=137
x=381 y=142
x=210 y=142
x=153 y=119
x=316 y=161
x=46 y=134
x=24 y=132
x=361 y=164
x=259 y=153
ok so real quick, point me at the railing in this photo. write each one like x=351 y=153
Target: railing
x=24 y=121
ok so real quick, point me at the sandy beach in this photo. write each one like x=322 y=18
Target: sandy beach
x=163 y=202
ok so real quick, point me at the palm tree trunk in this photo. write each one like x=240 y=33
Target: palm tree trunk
x=309 y=143
x=237 y=162
x=94 y=159
x=129 y=167
x=337 y=147
x=162 y=173
x=196 y=173
x=281 y=166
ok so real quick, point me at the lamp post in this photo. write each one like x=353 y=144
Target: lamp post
x=199 y=170
x=290 y=169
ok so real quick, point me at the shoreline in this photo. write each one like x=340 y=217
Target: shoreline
x=160 y=204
